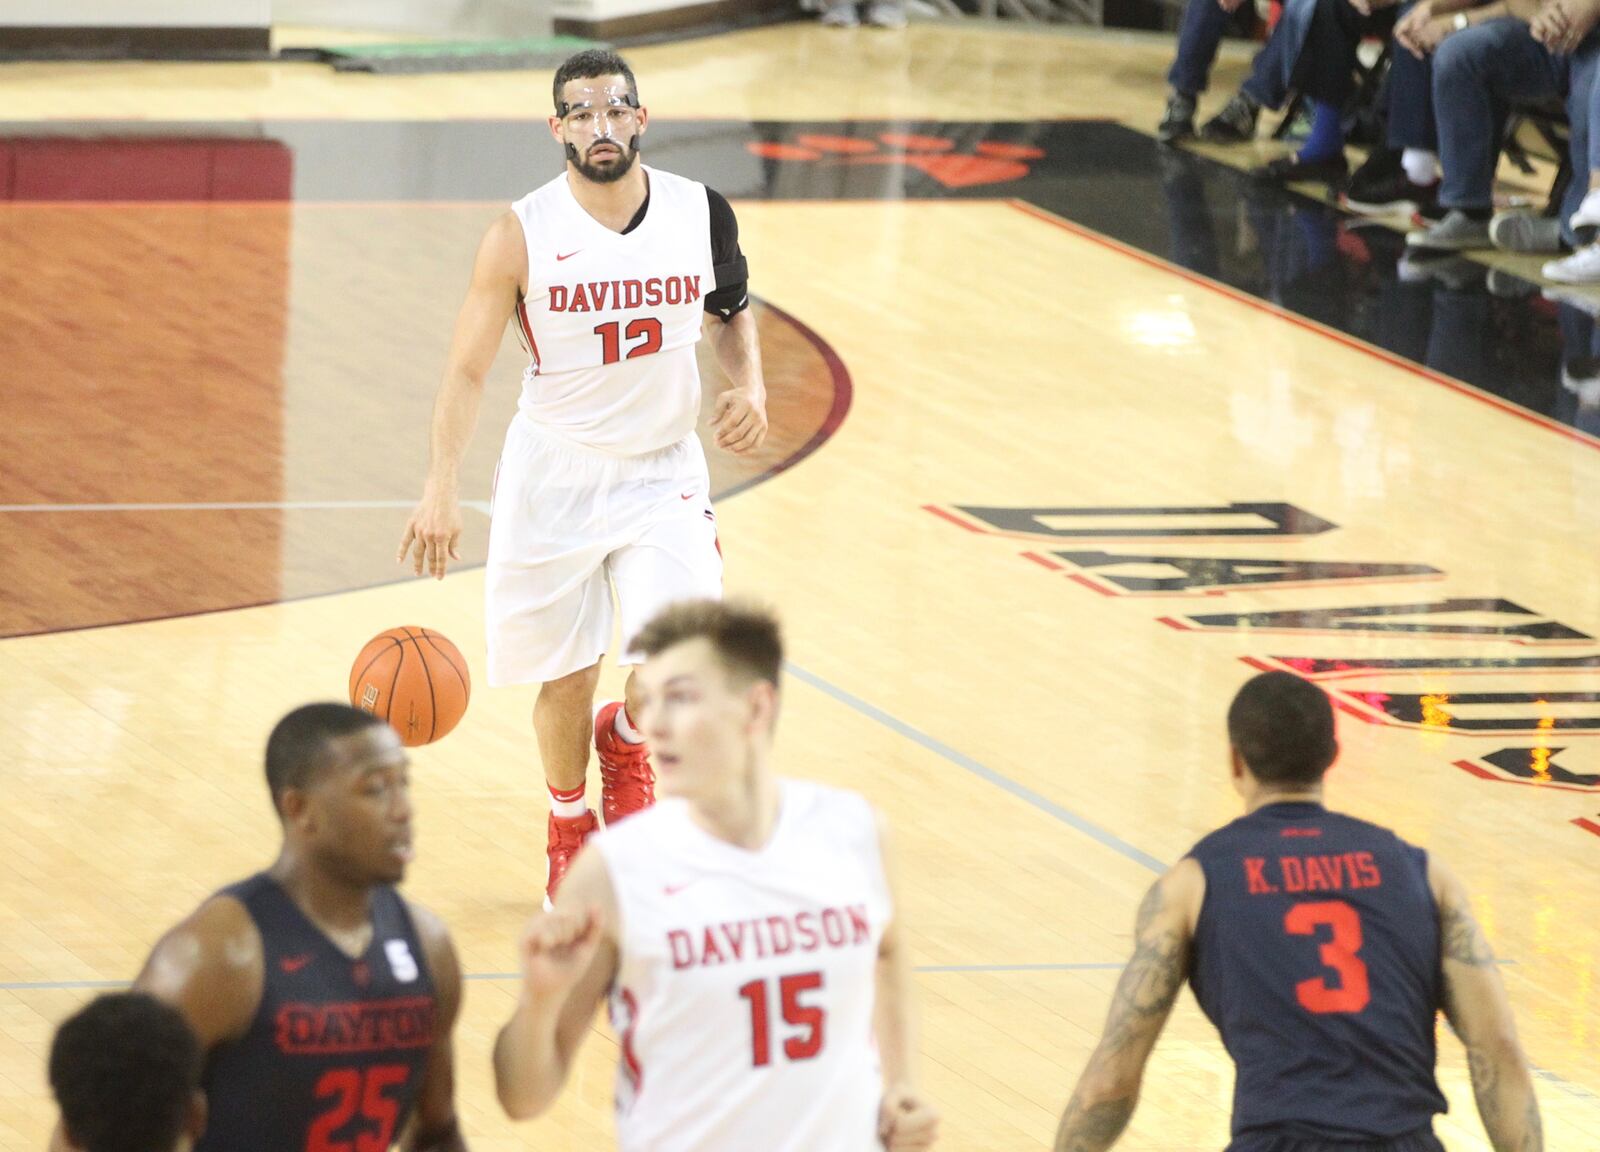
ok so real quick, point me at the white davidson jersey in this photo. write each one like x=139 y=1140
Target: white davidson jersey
x=611 y=319
x=744 y=996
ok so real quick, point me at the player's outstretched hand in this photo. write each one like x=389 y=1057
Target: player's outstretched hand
x=906 y=1121
x=432 y=534
x=557 y=948
x=740 y=420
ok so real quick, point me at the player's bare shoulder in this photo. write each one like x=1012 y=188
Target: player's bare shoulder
x=504 y=235
x=503 y=253
x=210 y=964
x=219 y=938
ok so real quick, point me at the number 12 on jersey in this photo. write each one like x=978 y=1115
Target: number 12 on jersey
x=808 y=1019
x=645 y=331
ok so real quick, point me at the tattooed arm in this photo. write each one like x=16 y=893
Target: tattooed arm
x=1475 y=1004
x=1104 y=1099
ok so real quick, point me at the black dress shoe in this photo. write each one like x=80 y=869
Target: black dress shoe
x=1177 y=122
x=1235 y=124
x=1291 y=169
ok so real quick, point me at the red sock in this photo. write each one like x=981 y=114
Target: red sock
x=568 y=804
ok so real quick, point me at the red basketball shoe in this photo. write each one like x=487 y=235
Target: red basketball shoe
x=627 y=782
x=567 y=834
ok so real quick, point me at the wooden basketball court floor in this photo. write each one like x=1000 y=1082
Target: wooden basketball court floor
x=989 y=410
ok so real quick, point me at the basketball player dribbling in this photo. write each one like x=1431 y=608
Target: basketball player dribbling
x=1322 y=947
x=610 y=270
x=322 y=1000
x=745 y=929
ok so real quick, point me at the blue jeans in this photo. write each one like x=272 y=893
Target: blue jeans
x=1273 y=67
x=1312 y=49
x=1583 y=115
x=1409 y=99
x=1477 y=73
x=1199 y=37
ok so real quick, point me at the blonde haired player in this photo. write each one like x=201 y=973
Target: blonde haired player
x=610 y=270
x=745 y=929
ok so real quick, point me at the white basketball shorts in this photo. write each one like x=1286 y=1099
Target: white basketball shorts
x=568 y=525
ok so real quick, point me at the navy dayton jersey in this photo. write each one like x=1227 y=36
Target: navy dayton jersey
x=1316 y=956
x=337 y=1049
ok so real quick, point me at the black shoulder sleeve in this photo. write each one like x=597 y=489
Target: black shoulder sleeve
x=731 y=295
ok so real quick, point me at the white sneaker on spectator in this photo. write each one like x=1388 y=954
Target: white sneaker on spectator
x=1525 y=232
x=1583 y=381
x=1588 y=213
x=887 y=13
x=1582 y=267
x=1509 y=286
x=841 y=16
x=1586 y=302
x=1411 y=270
x=1454 y=272
x=1457 y=232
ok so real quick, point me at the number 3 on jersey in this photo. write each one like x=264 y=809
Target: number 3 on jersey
x=1338 y=953
x=802 y=1046
x=646 y=331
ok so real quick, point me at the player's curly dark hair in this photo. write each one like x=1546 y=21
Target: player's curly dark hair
x=124 y=1070
x=297 y=747
x=1282 y=726
x=589 y=63
x=746 y=637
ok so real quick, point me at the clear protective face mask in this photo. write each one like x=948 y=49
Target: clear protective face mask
x=609 y=112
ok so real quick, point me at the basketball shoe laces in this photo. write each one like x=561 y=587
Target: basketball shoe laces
x=565 y=837
x=627 y=782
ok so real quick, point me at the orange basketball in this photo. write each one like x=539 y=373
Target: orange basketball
x=415 y=679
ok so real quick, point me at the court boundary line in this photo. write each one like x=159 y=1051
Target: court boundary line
x=844 y=394
x=931 y=969
x=838 y=411
x=1046 y=216
x=961 y=760
x=238 y=506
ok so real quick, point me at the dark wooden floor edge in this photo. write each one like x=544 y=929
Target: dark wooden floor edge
x=114 y=43
x=1289 y=315
x=687 y=23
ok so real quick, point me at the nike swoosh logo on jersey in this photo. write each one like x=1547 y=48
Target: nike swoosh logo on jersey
x=568 y=256
x=674 y=889
x=292 y=964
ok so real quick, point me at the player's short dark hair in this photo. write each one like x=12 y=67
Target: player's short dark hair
x=124 y=1070
x=1282 y=727
x=297 y=748
x=746 y=637
x=587 y=64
